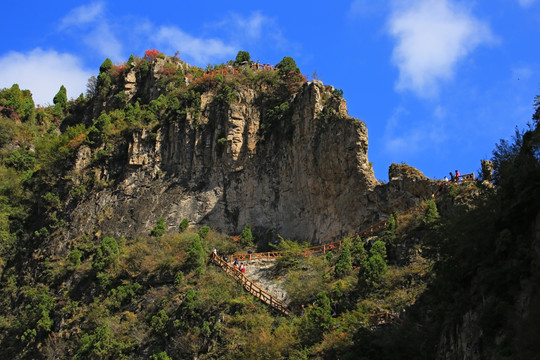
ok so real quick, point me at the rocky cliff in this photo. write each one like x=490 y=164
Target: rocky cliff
x=299 y=168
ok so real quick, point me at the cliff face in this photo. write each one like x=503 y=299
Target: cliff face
x=304 y=176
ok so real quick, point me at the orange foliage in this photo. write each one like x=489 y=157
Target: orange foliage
x=76 y=142
x=151 y=54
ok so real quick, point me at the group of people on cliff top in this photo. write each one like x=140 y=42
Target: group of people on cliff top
x=452 y=177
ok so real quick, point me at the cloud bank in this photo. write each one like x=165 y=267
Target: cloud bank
x=432 y=36
x=43 y=72
x=201 y=50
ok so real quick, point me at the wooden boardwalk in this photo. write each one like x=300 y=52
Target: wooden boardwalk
x=250 y=286
x=259 y=293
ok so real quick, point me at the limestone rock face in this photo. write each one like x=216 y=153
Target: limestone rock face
x=406 y=185
x=307 y=178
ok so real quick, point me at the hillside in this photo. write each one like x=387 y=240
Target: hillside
x=111 y=204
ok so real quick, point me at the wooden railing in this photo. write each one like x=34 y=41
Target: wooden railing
x=324 y=248
x=250 y=286
x=464 y=178
x=383 y=318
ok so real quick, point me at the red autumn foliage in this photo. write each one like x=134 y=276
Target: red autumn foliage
x=118 y=70
x=151 y=54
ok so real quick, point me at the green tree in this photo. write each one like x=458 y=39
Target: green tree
x=204 y=231
x=107 y=254
x=101 y=344
x=317 y=320
x=378 y=248
x=160 y=228
x=344 y=262
x=246 y=238
x=358 y=252
x=106 y=65
x=74 y=257
x=287 y=65
x=60 y=98
x=101 y=129
x=184 y=224
x=20 y=101
x=159 y=323
x=372 y=271
x=431 y=214
x=241 y=57
x=196 y=255
x=391 y=224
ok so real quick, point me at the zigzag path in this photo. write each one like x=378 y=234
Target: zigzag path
x=279 y=305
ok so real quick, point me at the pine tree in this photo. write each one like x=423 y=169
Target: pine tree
x=241 y=57
x=246 y=238
x=344 y=262
x=160 y=228
x=184 y=224
x=196 y=255
x=60 y=98
x=431 y=214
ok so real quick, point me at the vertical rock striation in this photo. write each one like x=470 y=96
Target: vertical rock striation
x=305 y=175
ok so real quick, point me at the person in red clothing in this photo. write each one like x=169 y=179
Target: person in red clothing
x=242 y=268
x=457 y=176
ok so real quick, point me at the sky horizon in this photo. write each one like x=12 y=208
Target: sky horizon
x=437 y=82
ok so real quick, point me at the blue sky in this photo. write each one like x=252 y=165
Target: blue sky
x=438 y=82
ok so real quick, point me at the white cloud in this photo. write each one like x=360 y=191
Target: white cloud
x=432 y=37
x=43 y=72
x=526 y=3
x=201 y=50
x=82 y=15
x=89 y=23
x=253 y=32
x=251 y=27
x=103 y=41
x=403 y=138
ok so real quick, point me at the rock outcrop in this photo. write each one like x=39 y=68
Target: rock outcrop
x=308 y=177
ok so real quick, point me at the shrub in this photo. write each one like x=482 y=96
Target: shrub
x=184 y=224
x=74 y=257
x=160 y=356
x=101 y=344
x=160 y=228
x=20 y=101
x=107 y=254
x=124 y=294
x=159 y=322
x=246 y=238
x=204 y=231
x=179 y=278
x=292 y=252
